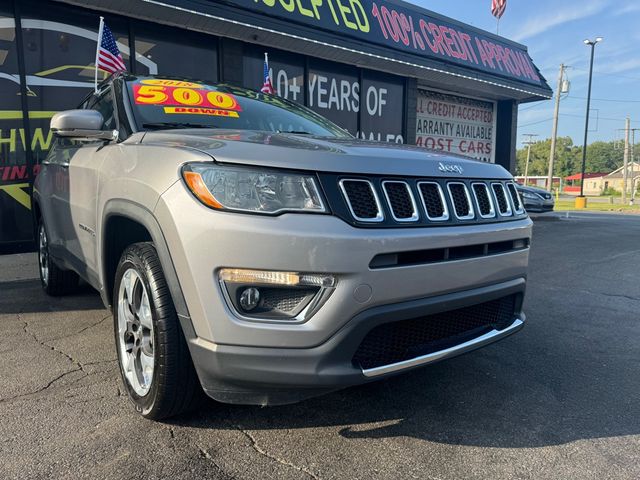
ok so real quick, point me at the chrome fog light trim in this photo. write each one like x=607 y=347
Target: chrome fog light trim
x=232 y=279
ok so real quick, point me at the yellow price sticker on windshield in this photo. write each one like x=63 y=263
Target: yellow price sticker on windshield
x=170 y=83
x=184 y=96
x=214 y=112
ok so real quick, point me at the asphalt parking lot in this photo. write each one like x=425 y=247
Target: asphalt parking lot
x=559 y=400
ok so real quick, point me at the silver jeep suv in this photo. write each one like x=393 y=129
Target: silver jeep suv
x=252 y=249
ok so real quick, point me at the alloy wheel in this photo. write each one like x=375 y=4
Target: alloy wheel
x=43 y=255
x=135 y=332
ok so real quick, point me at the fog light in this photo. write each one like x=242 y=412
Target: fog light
x=520 y=244
x=275 y=296
x=249 y=299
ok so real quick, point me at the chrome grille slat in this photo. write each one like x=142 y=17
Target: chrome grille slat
x=500 y=195
x=400 y=200
x=484 y=202
x=362 y=199
x=461 y=201
x=433 y=201
x=515 y=197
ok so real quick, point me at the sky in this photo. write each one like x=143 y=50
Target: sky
x=554 y=31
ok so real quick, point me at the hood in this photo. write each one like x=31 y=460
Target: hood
x=334 y=155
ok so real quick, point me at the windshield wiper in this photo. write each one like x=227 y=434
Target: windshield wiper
x=294 y=132
x=167 y=125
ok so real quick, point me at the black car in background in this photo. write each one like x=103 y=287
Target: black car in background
x=536 y=199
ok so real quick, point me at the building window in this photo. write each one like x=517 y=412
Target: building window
x=177 y=53
x=382 y=108
x=371 y=111
x=334 y=92
x=286 y=70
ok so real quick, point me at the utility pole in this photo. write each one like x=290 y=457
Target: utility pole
x=529 y=142
x=625 y=168
x=554 y=134
x=632 y=156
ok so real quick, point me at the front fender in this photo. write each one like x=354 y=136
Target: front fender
x=141 y=215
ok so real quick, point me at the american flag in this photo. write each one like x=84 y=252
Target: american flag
x=498 y=8
x=267 y=86
x=109 y=58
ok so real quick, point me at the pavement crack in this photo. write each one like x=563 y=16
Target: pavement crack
x=77 y=365
x=206 y=455
x=95 y=324
x=42 y=389
x=262 y=451
x=32 y=334
x=172 y=438
x=617 y=295
x=100 y=362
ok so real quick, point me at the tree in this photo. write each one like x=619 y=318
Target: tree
x=566 y=157
x=602 y=157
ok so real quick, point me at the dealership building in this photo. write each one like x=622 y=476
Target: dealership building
x=384 y=70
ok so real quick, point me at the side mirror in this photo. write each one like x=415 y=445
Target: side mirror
x=81 y=124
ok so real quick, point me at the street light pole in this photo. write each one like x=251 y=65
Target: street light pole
x=592 y=44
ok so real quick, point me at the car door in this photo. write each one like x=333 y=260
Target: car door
x=53 y=189
x=79 y=207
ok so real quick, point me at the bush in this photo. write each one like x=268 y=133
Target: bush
x=611 y=192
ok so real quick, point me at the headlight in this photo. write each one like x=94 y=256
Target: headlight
x=253 y=190
x=530 y=196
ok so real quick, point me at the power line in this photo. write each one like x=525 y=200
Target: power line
x=536 y=105
x=603 y=99
x=617 y=75
x=611 y=119
x=535 y=123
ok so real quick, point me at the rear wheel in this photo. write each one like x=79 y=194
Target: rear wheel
x=155 y=363
x=55 y=281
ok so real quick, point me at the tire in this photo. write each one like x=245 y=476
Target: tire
x=155 y=364
x=55 y=281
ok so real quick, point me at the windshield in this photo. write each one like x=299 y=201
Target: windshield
x=166 y=103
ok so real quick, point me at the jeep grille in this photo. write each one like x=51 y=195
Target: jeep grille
x=386 y=202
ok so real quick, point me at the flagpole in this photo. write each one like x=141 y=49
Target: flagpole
x=100 y=29
x=498 y=26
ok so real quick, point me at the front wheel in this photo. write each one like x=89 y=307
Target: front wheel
x=155 y=363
